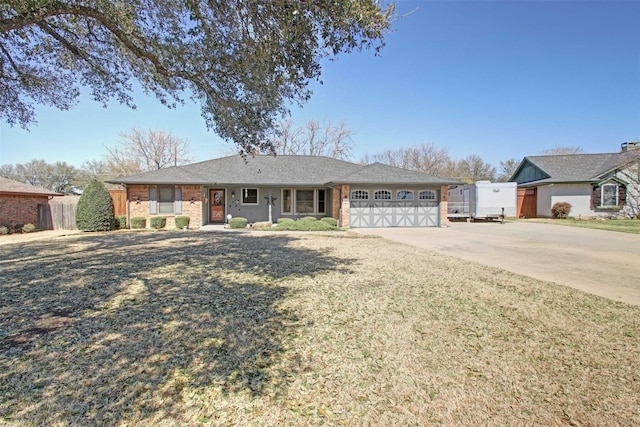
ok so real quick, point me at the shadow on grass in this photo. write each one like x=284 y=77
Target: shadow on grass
x=106 y=328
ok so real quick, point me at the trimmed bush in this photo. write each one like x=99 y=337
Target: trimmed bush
x=182 y=222
x=17 y=228
x=95 y=209
x=330 y=220
x=138 y=222
x=238 y=222
x=284 y=220
x=29 y=228
x=308 y=218
x=560 y=210
x=158 y=222
x=121 y=222
x=4 y=230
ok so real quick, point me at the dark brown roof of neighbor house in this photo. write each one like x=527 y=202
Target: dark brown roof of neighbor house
x=10 y=186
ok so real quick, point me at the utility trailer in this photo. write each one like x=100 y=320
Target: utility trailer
x=483 y=200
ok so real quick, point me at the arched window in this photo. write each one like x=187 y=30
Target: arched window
x=382 y=195
x=404 y=195
x=427 y=195
x=359 y=195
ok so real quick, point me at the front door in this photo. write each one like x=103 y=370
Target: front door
x=216 y=199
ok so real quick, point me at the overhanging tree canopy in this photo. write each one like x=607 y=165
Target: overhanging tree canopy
x=242 y=60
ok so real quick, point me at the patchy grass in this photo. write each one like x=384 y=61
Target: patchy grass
x=300 y=329
x=621 y=225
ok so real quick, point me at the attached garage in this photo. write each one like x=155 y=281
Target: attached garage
x=389 y=208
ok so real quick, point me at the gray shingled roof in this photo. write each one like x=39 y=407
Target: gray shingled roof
x=16 y=187
x=378 y=173
x=281 y=171
x=578 y=167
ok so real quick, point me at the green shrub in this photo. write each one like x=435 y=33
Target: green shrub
x=17 y=228
x=330 y=220
x=284 y=220
x=29 y=228
x=158 y=222
x=182 y=222
x=138 y=222
x=308 y=218
x=238 y=222
x=121 y=222
x=4 y=230
x=560 y=210
x=95 y=209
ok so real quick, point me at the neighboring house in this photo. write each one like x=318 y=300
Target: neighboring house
x=596 y=185
x=263 y=188
x=22 y=203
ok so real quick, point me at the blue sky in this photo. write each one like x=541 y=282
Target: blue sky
x=499 y=79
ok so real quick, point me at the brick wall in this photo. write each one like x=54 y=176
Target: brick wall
x=345 y=212
x=139 y=204
x=444 y=204
x=19 y=209
x=335 y=203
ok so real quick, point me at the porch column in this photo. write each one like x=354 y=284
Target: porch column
x=444 y=206
x=345 y=209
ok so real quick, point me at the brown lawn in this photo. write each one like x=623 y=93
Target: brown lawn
x=300 y=329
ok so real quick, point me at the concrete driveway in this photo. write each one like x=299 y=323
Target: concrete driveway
x=604 y=263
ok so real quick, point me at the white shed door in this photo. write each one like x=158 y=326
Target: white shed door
x=370 y=214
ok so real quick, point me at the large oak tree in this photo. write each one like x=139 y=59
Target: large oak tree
x=243 y=61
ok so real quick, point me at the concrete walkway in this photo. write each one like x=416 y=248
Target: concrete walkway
x=603 y=263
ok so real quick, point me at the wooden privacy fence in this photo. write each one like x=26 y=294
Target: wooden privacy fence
x=119 y=198
x=60 y=213
x=63 y=216
x=527 y=202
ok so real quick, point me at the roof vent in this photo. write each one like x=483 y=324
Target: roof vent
x=630 y=145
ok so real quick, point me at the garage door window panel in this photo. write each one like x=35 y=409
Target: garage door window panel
x=359 y=195
x=427 y=195
x=406 y=195
x=382 y=195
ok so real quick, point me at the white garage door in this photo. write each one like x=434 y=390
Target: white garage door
x=421 y=213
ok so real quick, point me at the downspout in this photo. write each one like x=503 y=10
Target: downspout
x=128 y=208
x=339 y=205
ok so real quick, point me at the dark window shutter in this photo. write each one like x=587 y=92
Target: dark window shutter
x=153 y=200
x=622 y=195
x=596 y=196
x=178 y=207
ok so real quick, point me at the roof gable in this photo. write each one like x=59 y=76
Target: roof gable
x=571 y=167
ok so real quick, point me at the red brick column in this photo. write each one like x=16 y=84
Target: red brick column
x=444 y=204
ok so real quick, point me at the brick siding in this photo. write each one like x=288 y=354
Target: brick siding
x=345 y=208
x=444 y=205
x=20 y=209
x=139 y=204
